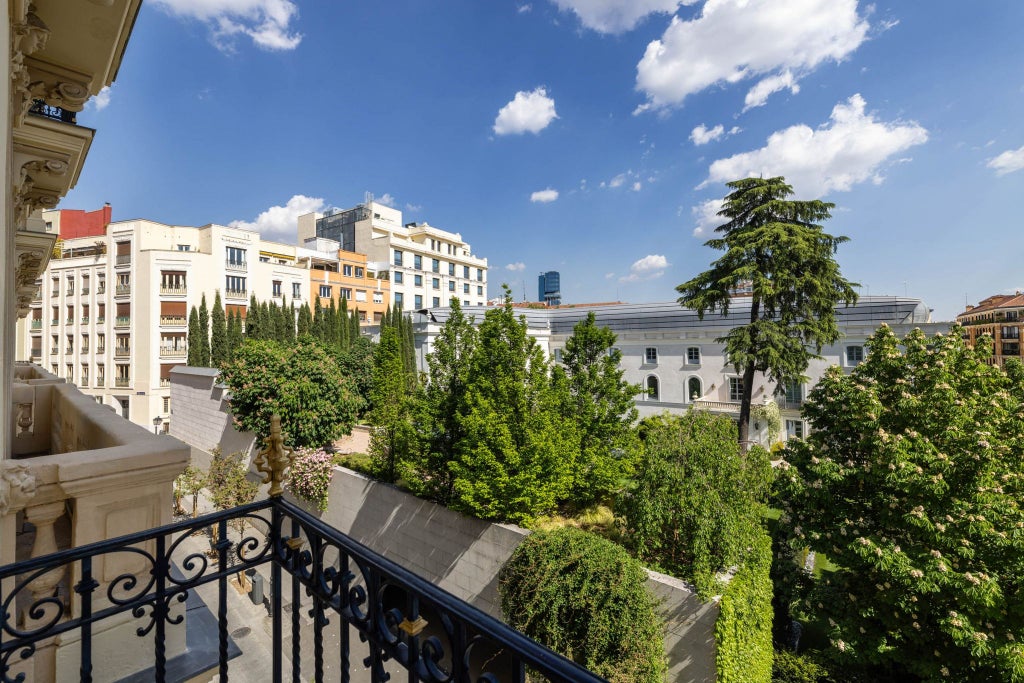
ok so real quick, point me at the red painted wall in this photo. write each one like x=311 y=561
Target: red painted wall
x=78 y=223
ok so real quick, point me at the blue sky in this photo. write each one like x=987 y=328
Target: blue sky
x=586 y=136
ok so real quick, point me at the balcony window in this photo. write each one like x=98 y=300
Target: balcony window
x=346 y=270
x=172 y=282
x=123 y=252
x=101 y=286
x=276 y=288
x=124 y=285
x=234 y=258
x=296 y=290
x=234 y=286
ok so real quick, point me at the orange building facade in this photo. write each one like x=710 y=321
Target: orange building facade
x=1001 y=318
x=349 y=276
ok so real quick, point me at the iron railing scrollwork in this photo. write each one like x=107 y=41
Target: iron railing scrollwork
x=41 y=108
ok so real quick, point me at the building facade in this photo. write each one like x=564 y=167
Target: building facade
x=336 y=275
x=426 y=266
x=549 y=288
x=674 y=357
x=111 y=313
x=999 y=317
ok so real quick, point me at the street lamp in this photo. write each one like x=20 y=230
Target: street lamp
x=157 y=421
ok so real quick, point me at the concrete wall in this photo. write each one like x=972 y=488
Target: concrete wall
x=199 y=412
x=463 y=555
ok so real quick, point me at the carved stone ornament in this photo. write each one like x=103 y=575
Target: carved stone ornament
x=16 y=482
x=27 y=37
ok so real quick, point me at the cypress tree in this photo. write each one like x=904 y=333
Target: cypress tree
x=410 y=352
x=204 y=333
x=218 y=334
x=354 y=334
x=343 y=325
x=252 y=319
x=267 y=322
x=234 y=333
x=303 y=321
x=194 y=347
x=289 y=328
x=318 y=320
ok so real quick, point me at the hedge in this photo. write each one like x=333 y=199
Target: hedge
x=585 y=597
x=743 y=632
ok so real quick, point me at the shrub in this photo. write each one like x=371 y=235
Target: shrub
x=310 y=476
x=585 y=597
x=743 y=632
x=789 y=667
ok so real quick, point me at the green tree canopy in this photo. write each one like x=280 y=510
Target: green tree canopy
x=911 y=482
x=774 y=246
x=698 y=500
x=390 y=414
x=302 y=383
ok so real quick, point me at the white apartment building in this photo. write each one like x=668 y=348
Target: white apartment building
x=111 y=313
x=674 y=356
x=427 y=266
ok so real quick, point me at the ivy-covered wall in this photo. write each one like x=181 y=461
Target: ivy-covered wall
x=743 y=634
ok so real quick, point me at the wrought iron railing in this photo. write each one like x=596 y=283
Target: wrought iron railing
x=41 y=108
x=402 y=619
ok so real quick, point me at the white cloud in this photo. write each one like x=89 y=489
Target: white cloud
x=516 y=267
x=413 y=207
x=702 y=135
x=281 y=222
x=101 y=100
x=544 y=196
x=648 y=268
x=706 y=216
x=617 y=16
x=617 y=181
x=637 y=186
x=528 y=112
x=735 y=40
x=1009 y=161
x=523 y=9
x=838 y=155
x=759 y=94
x=386 y=199
x=265 y=22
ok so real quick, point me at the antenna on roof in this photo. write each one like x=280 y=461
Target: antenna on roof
x=367 y=198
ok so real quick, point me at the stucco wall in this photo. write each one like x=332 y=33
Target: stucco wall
x=199 y=412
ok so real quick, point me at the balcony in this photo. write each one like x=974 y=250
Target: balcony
x=101 y=288
x=165 y=382
x=100 y=319
x=101 y=349
x=85 y=290
x=54 y=294
x=69 y=321
x=123 y=260
x=173 y=321
x=173 y=291
x=99 y=382
x=122 y=382
x=123 y=290
x=122 y=321
x=41 y=108
x=236 y=294
x=85 y=349
x=37 y=323
x=55 y=321
x=172 y=353
x=728 y=407
x=54 y=351
x=85 y=320
x=122 y=352
x=236 y=266
x=402 y=622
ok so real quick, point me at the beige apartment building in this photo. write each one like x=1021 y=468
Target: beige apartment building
x=111 y=313
x=427 y=266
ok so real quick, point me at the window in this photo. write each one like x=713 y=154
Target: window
x=167 y=404
x=399 y=299
x=361 y=295
x=398 y=257
x=436 y=283
x=346 y=270
x=276 y=288
x=558 y=355
x=264 y=259
x=69 y=372
x=378 y=297
x=651 y=355
x=325 y=291
x=693 y=355
x=451 y=269
x=359 y=271
x=652 y=388
x=417 y=280
x=479 y=275
x=435 y=265
x=693 y=388
x=794 y=393
x=184 y=247
x=451 y=285
x=735 y=388
x=465 y=288
x=234 y=284
x=235 y=256
x=465 y=272
x=123 y=402
x=417 y=262
x=437 y=302
x=71 y=285
x=854 y=355
x=346 y=292
x=399 y=279
x=794 y=429
x=296 y=290
x=479 y=290
x=419 y=301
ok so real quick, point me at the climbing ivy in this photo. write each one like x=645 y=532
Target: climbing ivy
x=743 y=632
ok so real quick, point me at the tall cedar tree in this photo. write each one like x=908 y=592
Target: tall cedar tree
x=195 y=348
x=204 y=333
x=234 y=333
x=511 y=465
x=218 y=334
x=911 y=483
x=389 y=396
x=775 y=246
x=601 y=404
x=442 y=406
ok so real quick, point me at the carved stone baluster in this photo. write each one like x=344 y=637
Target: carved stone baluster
x=43 y=517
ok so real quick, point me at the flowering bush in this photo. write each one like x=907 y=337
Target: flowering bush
x=311 y=475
